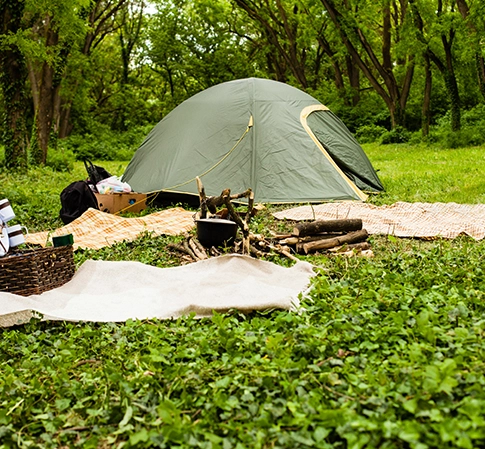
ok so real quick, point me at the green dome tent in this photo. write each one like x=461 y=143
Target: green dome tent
x=253 y=133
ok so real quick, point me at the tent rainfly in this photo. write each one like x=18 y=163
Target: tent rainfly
x=254 y=133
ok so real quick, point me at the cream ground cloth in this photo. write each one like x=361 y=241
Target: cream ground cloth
x=95 y=229
x=423 y=220
x=117 y=291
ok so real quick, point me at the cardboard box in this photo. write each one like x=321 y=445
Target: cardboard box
x=125 y=202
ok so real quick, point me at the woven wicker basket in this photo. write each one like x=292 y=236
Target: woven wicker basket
x=35 y=271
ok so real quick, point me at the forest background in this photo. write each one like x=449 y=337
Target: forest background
x=91 y=77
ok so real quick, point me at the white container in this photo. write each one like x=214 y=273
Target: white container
x=6 y=211
x=4 y=243
x=16 y=235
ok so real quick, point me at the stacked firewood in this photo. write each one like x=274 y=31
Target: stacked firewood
x=192 y=248
x=342 y=236
x=345 y=237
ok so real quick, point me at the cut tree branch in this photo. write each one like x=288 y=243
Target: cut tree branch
x=351 y=237
x=316 y=227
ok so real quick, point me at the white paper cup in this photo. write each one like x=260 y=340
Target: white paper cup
x=16 y=235
x=4 y=243
x=6 y=211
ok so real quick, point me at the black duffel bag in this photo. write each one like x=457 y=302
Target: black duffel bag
x=95 y=172
x=76 y=199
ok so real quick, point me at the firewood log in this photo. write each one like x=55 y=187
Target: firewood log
x=362 y=246
x=319 y=226
x=351 y=237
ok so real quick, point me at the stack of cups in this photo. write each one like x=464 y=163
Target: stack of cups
x=10 y=236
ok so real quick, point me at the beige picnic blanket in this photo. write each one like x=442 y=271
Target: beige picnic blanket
x=95 y=229
x=117 y=291
x=422 y=220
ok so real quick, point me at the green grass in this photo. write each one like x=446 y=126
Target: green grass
x=428 y=174
x=35 y=195
x=388 y=353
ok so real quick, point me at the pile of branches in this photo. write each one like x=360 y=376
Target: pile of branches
x=254 y=245
x=209 y=205
x=342 y=236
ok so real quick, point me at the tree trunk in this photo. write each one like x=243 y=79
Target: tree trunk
x=451 y=83
x=480 y=63
x=446 y=68
x=354 y=79
x=13 y=76
x=380 y=75
x=426 y=113
x=475 y=36
x=45 y=110
x=283 y=54
x=101 y=24
x=452 y=86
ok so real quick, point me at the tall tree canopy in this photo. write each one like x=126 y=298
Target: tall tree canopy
x=73 y=66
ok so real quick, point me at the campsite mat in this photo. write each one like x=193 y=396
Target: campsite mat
x=106 y=291
x=422 y=220
x=95 y=229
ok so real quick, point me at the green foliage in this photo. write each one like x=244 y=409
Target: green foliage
x=194 y=45
x=60 y=160
x=397 y=135
x=463 y=138
x=472 y=132
x=125 y=78
x=386 y=352
x=106 y=144
x=369 y=133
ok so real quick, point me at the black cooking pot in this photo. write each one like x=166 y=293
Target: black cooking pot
x=215 y=231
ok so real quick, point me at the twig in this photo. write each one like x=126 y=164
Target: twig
x=180 y=248
x=215 y=252
x=285 y=252
x=199 y=245
x=201 y=255
x=280 y=236
x=84 y=361
x=245 y=194
x=189 y=251
x=213 y=202
x=202 y=197
x=249 y=213
x=362 y=246
x=255 y=251
x=351 y=237
x=242 y=224
x=234 y=214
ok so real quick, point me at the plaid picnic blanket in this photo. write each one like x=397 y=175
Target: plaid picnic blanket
x=95 y=229
x=422 y=220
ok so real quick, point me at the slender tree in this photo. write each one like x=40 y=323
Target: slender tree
x=440 y=55
x=102 y=19
x=198 y=43
x=475 y=24
x=280 y=27
x=379 y=65
x=13 y=77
